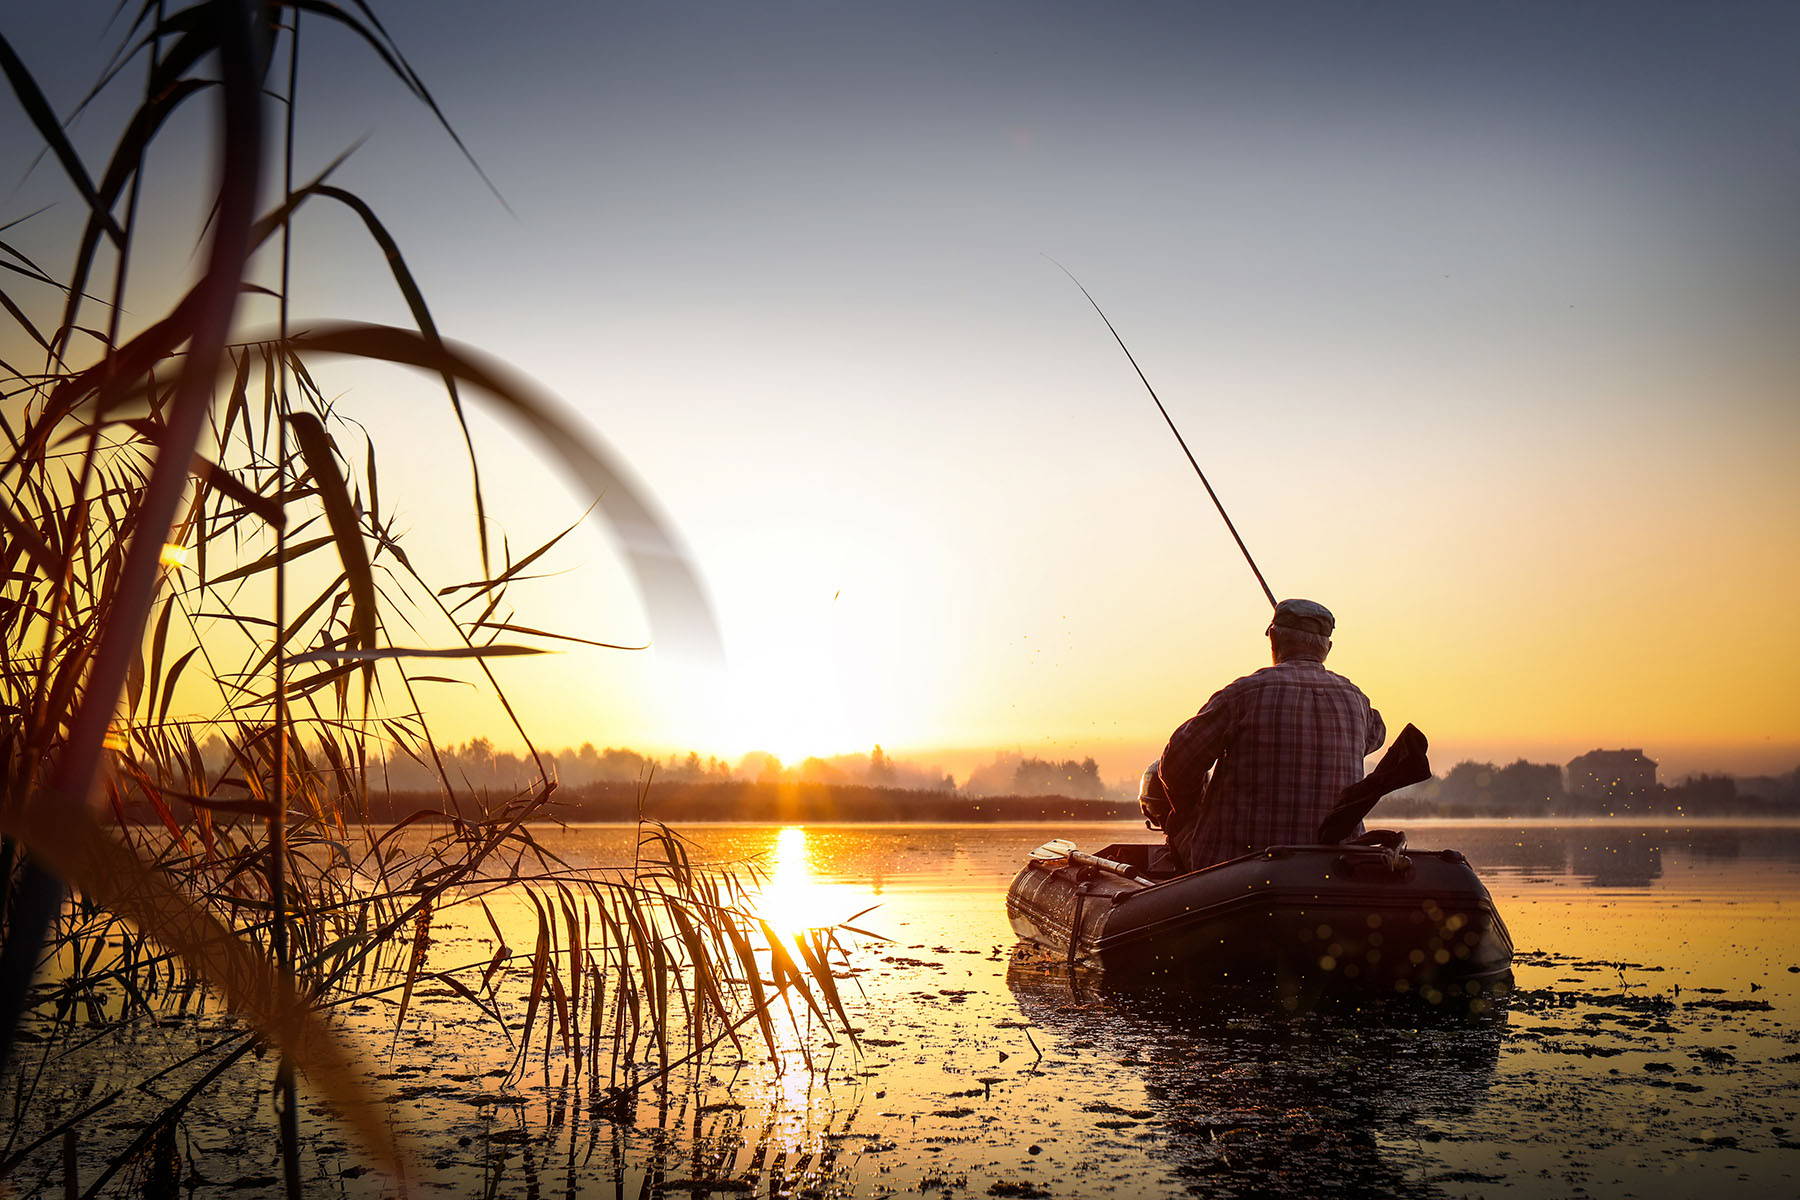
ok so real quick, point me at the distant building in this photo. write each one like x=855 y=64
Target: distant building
x=1612 y=780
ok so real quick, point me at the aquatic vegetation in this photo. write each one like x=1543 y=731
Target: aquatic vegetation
x=196 y=547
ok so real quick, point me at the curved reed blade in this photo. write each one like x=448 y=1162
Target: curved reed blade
x=561 y=637
x=421 y=314
x=316 y=450
x=30 y=543
x=396 y=62
x=370 y=656
x=37 y=108
x=679 y=609
x=127 y=158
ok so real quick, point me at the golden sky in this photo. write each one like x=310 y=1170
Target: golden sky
x=1483 y=329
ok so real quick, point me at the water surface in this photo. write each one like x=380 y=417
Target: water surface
x=1650 y=1049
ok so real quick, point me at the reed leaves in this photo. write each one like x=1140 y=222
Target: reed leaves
x=315 y=449
x=672 y=592
x=206 y=624
x=110 y=875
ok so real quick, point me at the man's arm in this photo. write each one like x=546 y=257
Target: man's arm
x=1192 y=751
x=1377 y=730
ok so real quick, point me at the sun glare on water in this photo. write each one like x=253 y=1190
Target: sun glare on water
x=794 y=899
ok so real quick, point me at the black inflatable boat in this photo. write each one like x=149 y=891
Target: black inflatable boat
x=1367 y=915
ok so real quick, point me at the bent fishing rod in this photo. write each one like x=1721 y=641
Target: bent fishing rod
x=1204 y=482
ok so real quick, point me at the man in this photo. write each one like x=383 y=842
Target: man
x=1280 y=744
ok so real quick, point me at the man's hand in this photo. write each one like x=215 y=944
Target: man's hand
x=1153 y=799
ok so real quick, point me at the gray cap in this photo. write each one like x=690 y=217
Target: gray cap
x=1308 y=616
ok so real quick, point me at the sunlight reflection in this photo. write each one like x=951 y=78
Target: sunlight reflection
x=794 y=899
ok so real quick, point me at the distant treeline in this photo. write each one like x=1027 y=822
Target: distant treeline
x=1468 y=790
x=783 y=803
x=478 y=763
x=602 y=785
x=1523 y=789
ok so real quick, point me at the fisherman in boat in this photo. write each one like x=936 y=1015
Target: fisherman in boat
x=1269 y=755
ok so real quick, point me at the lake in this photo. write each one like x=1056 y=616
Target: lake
x=1650 y=1048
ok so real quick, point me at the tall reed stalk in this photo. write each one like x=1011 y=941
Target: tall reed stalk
x=188 y=747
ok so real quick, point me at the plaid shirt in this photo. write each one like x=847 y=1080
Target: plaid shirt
x=1281 y=745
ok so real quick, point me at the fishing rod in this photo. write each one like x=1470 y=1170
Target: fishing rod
x=1204 y=482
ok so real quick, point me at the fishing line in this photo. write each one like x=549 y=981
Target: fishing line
x=1204 y=482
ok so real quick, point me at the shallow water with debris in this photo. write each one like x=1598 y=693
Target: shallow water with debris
x=1650 y=1049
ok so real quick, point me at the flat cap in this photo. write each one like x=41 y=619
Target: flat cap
x=1307 y=616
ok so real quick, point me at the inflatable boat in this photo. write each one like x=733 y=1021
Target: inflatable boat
x=1358 y=913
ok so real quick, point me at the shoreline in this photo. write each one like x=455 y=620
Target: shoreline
x=1746 y=821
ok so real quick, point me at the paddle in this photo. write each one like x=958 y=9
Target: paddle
x=1404 y=764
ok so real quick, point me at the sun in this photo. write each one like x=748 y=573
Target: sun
x=785 y=699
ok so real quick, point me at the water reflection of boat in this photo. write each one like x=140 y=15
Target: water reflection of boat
x=1373 y=920
x=1254 y=1103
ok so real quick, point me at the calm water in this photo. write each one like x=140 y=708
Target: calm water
x=1652 y=1048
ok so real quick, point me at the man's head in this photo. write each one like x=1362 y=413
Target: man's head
x=1300 y=629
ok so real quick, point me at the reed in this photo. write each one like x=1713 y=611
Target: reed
x=196 y=547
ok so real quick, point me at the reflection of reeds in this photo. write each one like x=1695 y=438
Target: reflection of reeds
x=185 y=531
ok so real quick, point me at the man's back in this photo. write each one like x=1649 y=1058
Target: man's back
x=1281 y=744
